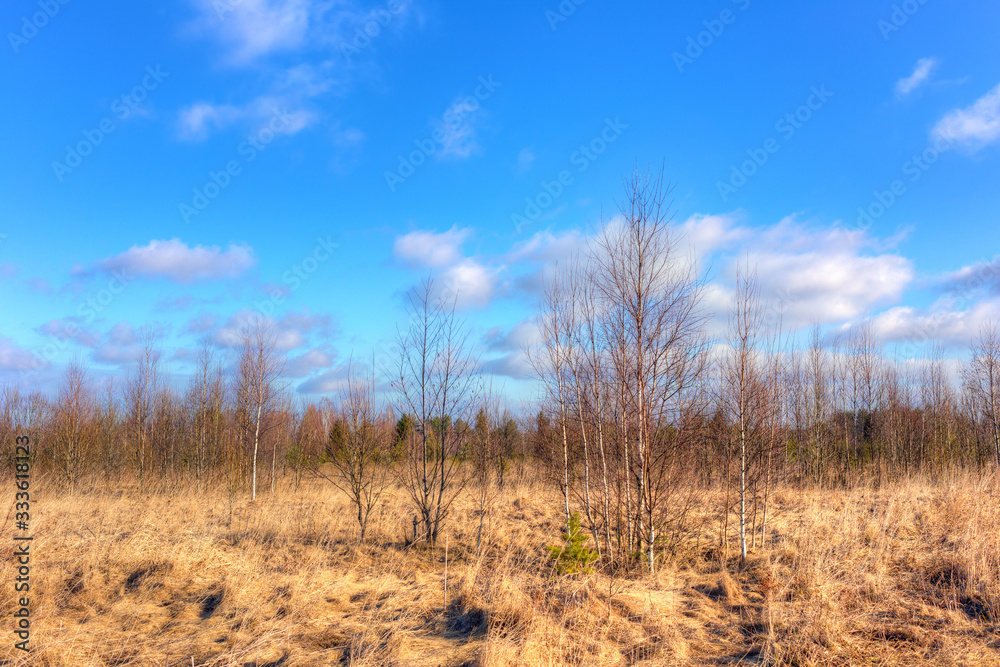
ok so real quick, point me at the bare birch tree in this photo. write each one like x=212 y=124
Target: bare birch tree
x=435 y=384
x=654 y=329
x=256 y=386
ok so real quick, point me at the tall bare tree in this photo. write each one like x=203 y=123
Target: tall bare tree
x=73 y=411
x=257 y=392
x=745 y=385
x=435 y=383
x=556 y=321
x=654 y=326
x=141 y=388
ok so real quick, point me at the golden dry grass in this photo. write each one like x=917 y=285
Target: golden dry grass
x=903 y=575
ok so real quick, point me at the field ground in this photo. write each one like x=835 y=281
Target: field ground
x=908 y=574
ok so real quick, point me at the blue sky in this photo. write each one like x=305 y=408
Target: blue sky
x=187 y=164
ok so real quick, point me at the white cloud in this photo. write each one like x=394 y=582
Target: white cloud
x=69 y=329
x=972 y=278
x=423 y=249
x=940 y=322
x=975 y=126
x=545 y=247
x=521 y=335
x=511 y=344
x=255 y=28
x=457 y=129
x=327 y=382
x=123 y=333
x=121 y=355
x=513 y=365
x=823 y=275
x=805 y=274
x=198 y=119
x=15 y=357
x=710 y=233
x=468 y=284
x=921 y=74
x=175 y=260
x=277 y=114
x=252 y=30
x=308 y=362
x=292 y=331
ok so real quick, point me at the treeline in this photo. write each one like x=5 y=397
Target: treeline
x=644 y=411
x=139 y=431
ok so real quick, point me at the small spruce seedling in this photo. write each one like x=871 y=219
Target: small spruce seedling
x=575 y=557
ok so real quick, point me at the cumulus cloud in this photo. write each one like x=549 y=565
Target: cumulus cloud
x=707 y=234
x=423 y=249
x=309 y=362
x=177 y=261
x=940 y=322
x=468 y=284
x=921 y=74
x=825 y=275
x=975 y=126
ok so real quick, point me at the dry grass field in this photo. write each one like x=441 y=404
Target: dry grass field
x=906 y=575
